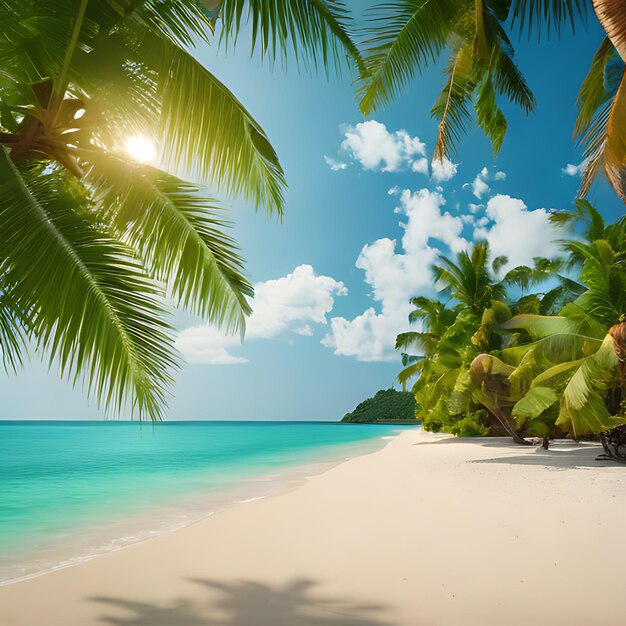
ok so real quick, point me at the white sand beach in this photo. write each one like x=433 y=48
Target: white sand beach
x=426 y=531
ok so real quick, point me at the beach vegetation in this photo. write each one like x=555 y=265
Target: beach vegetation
x=556 y=367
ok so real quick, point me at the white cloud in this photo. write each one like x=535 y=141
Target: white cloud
x=287 y=305
x=479 y=185
x=517 y=233
x=500 y=176
x=420 y=166
x=396 y=271
x=334 y=164
x=443 y=170
x=575 y=170
x=375 y=148
x=474 y=208
x=395 y=276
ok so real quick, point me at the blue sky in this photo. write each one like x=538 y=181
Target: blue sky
x=333 y=279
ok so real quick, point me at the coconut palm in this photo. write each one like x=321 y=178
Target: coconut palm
x=451 y=336
x=566 y=371
x=406 y=36
x=92 y=243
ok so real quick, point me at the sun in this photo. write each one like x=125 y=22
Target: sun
x=141 y=149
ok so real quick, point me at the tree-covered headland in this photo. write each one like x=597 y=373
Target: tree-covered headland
x=385 y=405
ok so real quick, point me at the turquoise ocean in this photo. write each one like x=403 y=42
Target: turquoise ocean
x=70 y=490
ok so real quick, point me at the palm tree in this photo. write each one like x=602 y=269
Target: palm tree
x=92 y=243
x=435 y=320
x=406 y=36
x=453 y=379
x=567 y=371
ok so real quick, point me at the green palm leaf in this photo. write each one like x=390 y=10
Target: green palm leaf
x=489 y=116
x=206 y=131
x=583 y=409
x=593 y=94
x=539 y=326
x=402 y=39
x=312 y=29
x=451 y=107
x=534 y=403
x=91 y=304
x=178 y=233
x=555 y=14
x=14 y=327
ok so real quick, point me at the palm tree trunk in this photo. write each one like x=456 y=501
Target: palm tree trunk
x=501 y=417
x=612 y=16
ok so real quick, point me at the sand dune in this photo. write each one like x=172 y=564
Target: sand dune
x=424 y=531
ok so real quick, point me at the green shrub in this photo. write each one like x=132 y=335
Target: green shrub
x=469 y=426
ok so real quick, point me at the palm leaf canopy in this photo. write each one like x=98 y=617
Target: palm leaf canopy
x=469 y=280
x=405 y=37
x=313 y=30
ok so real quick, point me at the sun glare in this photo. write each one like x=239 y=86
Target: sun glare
x=140 y=149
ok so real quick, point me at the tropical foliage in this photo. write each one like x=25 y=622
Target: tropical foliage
x=93 y=244
x=404 y=37
x=526 y=363
x=384 y=405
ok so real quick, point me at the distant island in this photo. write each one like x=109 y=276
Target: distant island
x=387 y=405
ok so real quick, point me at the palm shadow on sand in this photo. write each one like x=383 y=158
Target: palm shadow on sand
x=561 y=456
x=247 y=603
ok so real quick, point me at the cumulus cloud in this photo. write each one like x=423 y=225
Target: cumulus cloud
x=443 y=170
x=517 y=233
x=395 y=273
x=397 y=270
x=288 y=305
x=575 y=170
x=375 y=148
x=479 y=185
x=500 y=175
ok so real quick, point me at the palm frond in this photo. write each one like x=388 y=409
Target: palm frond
x=313 y=30
x=452 y=106
x=206 y=131
x=604 y=144
x=534 y=403
x=489 y=116
x=409 y=372
x=554 y=15
x=403 y=37
x=593 y=94
x=583 y=409
x=416 y=342
x=183 y=22
x=510 y=82
x=14 y=329
x=178 y=233
x=539 y=326
x=94 y=309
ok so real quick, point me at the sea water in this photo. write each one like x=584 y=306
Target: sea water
x=70 y=490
